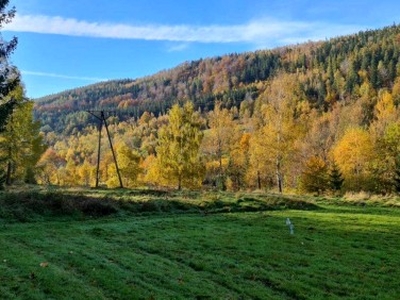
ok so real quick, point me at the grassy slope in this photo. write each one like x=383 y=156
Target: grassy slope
x=336 y=252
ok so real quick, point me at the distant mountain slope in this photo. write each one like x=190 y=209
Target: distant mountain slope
x=328 y=71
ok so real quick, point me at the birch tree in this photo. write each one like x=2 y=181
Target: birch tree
x=178 y=151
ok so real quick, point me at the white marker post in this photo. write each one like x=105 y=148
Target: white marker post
x=290 y=225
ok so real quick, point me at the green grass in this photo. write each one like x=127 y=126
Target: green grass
x=202 y=246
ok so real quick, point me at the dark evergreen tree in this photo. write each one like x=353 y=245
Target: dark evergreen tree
x=9 y=76
x=5 y=110
x=335 y=178
x=396 y=179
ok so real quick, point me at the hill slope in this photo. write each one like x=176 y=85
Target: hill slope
x=333 y=71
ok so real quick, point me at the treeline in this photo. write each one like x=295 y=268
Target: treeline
x=279 y=142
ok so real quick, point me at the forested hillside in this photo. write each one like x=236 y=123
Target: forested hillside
x=314 y=117
x=330 y=71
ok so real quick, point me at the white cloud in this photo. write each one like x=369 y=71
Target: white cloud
x=44 y=74
x=264 y=30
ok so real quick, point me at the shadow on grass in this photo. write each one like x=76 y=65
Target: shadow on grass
x=29 y=206
x=25 y=206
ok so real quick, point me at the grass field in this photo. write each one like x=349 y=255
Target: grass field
x=180 y=247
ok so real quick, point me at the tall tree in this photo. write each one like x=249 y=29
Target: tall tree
x=273 y=143
x=239 y=162
x=178 y=152
x=21 y=145
x=9 y=76
x=218 y=141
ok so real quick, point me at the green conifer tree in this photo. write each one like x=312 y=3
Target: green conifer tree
x=335 y=178
x=9 y=76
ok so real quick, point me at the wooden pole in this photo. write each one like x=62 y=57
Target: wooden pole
x=98 y=154
x=112 y=150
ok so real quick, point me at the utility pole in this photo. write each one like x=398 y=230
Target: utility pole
x=99 y=114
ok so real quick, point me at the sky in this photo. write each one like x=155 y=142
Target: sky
x=64 y=44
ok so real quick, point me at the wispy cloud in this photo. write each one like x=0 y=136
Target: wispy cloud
x=252 y=32
x=44 y=74
x=178 y=47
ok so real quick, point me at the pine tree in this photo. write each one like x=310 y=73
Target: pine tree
x=335 y=178
x=9 y=76
x=5 y=110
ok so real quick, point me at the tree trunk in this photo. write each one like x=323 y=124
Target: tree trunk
x=280 y=184
x=279 y=175
x=8 y=174
x=179 y=182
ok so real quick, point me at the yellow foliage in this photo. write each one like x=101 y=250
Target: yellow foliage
x=151 y=171
x=354 y=152
x=385 y=114
x=87 y=173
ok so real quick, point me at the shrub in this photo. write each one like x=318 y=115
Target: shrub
x=97 y=207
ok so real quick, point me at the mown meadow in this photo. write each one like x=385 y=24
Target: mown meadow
x=127 y=244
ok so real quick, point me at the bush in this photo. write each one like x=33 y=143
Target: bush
x=97 y=207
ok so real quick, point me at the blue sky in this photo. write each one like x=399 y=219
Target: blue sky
x=65 y=44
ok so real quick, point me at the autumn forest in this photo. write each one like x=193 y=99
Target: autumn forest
x=319 y=117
